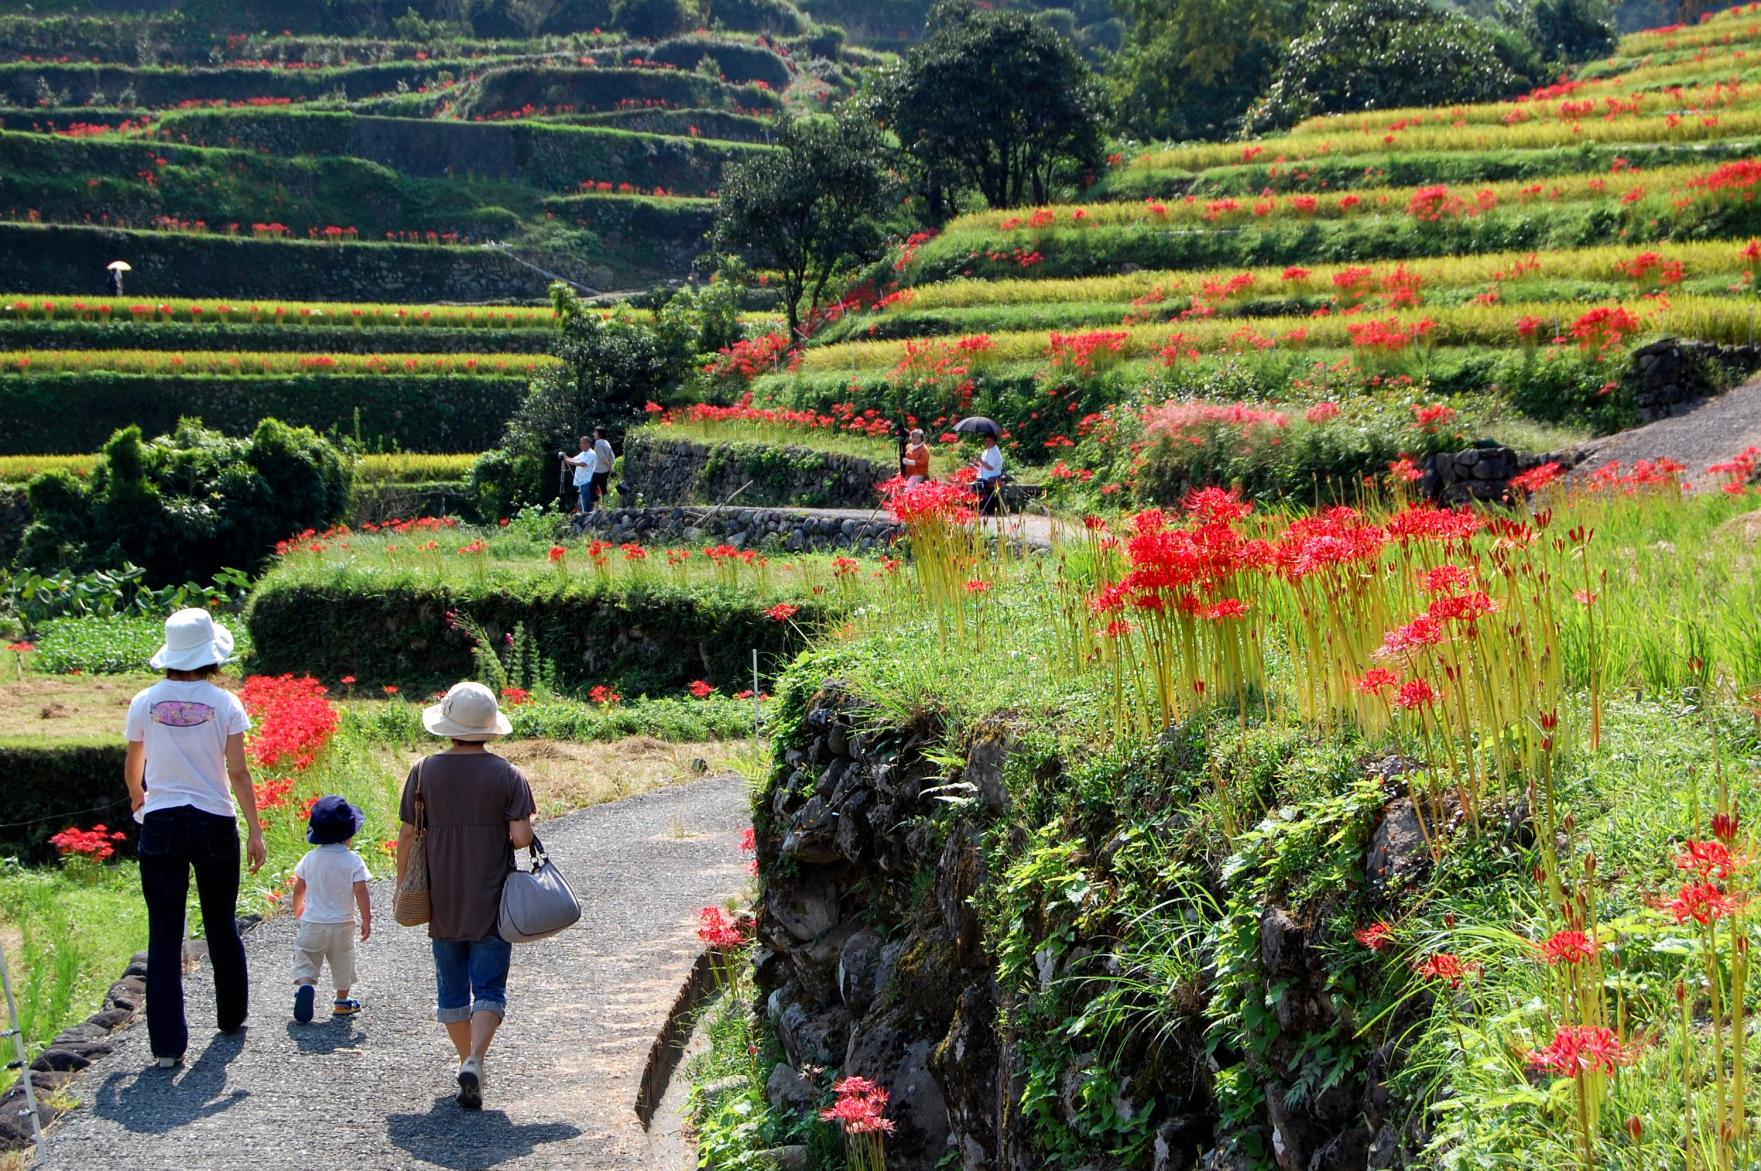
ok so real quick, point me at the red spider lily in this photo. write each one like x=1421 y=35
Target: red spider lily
x=782 y=612
x=1568 y=947
x=21 y=647
x=978 y=586
x=1414 y=695
x=700 y=689
x=1536 y=478
x=859 y=1107
x=347 y=681
x=294 y=719
x=516 y=696
x=603 y=695
x=390 y=689
x=1378 y=936
x=748 y=840
x=1322 y=412
x=1708 y=859
x=1702 y=902
x=1376 y=680
x=720 y=932
x=1444 y=966
x=1577 y=1049
x=97 y=843
x=1725 y=826
x=557 y=553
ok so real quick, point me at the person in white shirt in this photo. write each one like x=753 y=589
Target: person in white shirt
x=603 y=459
x=990 y=476
x=186 y=745
x=330 y=884
x=584 y=465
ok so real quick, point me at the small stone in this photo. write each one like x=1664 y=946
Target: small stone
x=794 y=1157
x=787 y=1089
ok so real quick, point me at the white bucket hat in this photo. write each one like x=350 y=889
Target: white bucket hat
x=193 y=640
x=468 y=712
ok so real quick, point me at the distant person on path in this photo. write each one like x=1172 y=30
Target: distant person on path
x=990 y=477
x=915 y=463
x=478 y=811
x=186 y=742
x=584 y=465
x=113 y=279
x=604 y=459
x=330 y=883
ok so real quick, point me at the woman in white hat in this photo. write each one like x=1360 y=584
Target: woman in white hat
x=186 y=750
x=478 y=811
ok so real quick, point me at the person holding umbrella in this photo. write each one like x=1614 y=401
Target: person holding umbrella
x=115 y=270
x=990 y=462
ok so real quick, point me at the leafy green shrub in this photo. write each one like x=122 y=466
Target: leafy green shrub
x=47 y=785
x=188 y=504
x=640 y=638
x=258 y=337
x=113 y=645
x=65 y=414
x=1371 y=54
x=679 y=721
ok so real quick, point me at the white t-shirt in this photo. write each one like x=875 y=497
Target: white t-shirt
x=603 y=457
x=331 y=873
x=184 y=726
x=584 y=469
x=990 y=463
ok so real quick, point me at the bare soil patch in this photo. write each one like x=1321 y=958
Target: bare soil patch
x=69 y=707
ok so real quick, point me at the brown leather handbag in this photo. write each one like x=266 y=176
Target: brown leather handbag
x=410 y=904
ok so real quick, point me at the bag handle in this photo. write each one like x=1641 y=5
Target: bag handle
x=421 y=802
x=537 y=852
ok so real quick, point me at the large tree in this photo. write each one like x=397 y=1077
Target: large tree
x=995 y=101
x=1190 y=68
x=808 y=209
x=1380 y=54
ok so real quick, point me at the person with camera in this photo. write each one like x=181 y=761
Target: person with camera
x=585 y=465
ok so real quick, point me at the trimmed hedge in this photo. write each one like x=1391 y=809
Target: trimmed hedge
x=76 y=413
x=550 y=157
x=718 y=124
x=265 y=337
x=625 y=220
x=48 y=785
x=585 y=90
x=69 y=258
x=169 y=85
x=738 y=61
x=643 y=639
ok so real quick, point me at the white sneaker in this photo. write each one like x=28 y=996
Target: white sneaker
x=470 y=1096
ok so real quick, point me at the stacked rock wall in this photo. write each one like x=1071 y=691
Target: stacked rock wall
x=659 y=470
x=789 y=530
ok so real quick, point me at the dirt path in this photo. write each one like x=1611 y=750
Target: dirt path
x=1714 y=431
x=375 y=1094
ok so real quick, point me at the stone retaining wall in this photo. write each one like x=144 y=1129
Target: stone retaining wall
x=1483 y=472
x=743 y=528
x=1670 y=375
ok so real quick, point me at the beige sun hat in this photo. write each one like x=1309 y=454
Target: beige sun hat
x=193 y=640
x=468 y=712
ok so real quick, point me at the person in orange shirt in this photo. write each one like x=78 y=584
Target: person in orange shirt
x=915 y=463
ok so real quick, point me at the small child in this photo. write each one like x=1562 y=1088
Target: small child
x=323 y=882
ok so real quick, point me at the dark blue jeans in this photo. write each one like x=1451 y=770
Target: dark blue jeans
x=173 y=843
x=471 y=977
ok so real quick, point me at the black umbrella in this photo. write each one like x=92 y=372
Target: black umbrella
x=979 y=425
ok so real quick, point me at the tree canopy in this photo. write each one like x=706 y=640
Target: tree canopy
x=1190 y=68
x=997 y=102
x=809 y=209
x=1377 y=54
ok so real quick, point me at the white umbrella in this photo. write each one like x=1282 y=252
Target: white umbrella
x=120 y=266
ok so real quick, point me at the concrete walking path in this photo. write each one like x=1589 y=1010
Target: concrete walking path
x=376 y=1092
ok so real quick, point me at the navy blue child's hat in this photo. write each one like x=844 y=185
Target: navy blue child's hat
x=333 y=820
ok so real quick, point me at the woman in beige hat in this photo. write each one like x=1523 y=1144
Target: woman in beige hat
x=478 y=810
x=186 y=748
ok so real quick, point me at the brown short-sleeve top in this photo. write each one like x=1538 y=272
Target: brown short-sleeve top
x=471 y=797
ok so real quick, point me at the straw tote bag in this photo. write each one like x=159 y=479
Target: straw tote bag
x=536 y=903
x=410 y=905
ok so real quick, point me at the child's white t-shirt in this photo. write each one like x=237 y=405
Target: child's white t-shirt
x=185 y=725
x=331 y=873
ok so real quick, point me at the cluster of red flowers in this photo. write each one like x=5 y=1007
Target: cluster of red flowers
x=929 y=501
x=1083 y=353
x=859 y=1107
x=1577 y=1049
x=1536 y=478
x=604 y=695
x=97 y=843
x=720 y=932
x=1737 y=471
x=700 y=689
x=1602 y=329
x=1646 y=475
x=748 y=358
x=294 y=719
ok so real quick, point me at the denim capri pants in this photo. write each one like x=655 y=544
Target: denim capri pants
x=471 y=977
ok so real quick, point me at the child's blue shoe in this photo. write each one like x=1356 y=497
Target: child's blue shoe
x=303 y=999
x=345 y=1006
